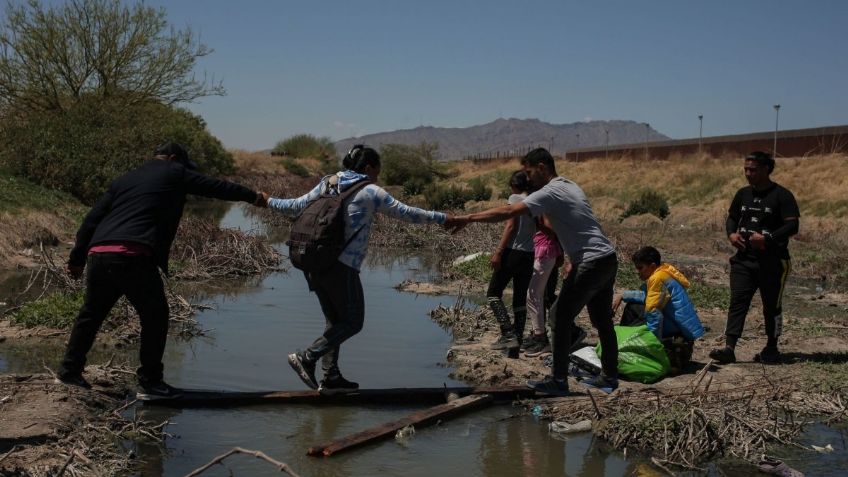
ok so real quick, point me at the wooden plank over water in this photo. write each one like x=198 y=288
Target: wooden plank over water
x=418 y=419
x=201 y=398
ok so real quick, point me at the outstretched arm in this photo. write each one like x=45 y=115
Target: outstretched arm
x=292 y=207
x=495 y=214
x=388 y=205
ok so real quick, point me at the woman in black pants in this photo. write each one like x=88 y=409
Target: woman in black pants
x=513 y=261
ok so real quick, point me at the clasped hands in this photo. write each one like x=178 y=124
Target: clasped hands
x=455 y=223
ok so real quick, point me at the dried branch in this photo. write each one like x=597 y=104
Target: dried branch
x=281 y=466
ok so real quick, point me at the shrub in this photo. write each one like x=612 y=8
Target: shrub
x=402 y=163
x=649 y=202
x=305 y=146
x=414 y=186
x=479 y=268
x=478 y=190
x=445 y=198
x=57 y=310
x=295 y=167
x=80 y=150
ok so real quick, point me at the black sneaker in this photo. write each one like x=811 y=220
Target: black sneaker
x=506 y=341
x=577 y=337
x=337 y=384
x=73 y=380
x=723 y=355
x=768 y=356
x=304 y=368
x=539 y=346
x=155 y=391
x=601 y=382
x=550 y=385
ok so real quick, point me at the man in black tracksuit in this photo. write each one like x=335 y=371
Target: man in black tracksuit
x=760 y=221
x=125 y=239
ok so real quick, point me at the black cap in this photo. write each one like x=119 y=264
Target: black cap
x=173 y=149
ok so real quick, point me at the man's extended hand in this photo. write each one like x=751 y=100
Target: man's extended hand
x=454 y=223
x=261 y=199
x=737 y=240
x=75 y=271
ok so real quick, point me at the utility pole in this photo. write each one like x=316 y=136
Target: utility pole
x=776 y=119
x=577 y=151
x=700 y=132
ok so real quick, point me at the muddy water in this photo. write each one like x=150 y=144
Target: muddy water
x=252 y=332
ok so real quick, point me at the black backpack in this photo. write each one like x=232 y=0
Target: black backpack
x=317 y=234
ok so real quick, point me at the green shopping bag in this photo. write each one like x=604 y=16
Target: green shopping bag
x=641 y=356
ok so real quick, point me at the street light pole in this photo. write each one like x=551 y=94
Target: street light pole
x=700 y=132
x=577 y=151
x=776 y=119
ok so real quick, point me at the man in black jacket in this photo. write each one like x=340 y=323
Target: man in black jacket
x=761 y=218
x=125 y=239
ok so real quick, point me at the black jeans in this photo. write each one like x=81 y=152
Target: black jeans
x=339 y=291
x=767 y=274
x=110 y=276
x=589 y=284
x=518 y=267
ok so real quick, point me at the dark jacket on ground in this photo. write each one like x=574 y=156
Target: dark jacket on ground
x=145 y=205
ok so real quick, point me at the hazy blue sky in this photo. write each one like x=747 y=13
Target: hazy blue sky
x=344 y=68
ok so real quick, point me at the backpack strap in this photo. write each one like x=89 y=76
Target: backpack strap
x=344 y=196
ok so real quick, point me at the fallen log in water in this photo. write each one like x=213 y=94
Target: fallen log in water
x=199 y=398
x=418 y=419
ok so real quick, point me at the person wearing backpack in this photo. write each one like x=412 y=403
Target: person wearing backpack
x=336 y=282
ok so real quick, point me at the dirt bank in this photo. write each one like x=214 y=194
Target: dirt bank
x=742 y=410
x=47 y=427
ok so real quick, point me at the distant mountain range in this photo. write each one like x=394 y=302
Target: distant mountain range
x=511 y=136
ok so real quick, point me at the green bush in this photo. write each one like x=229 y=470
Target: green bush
x=305 y=146
x=478 y=190
x=414 y=186
x=446 y=198
x=479 y=268
x=295 y=167
x=649 y=202
x=81 y=149
x=53 y=311
x=402 y=163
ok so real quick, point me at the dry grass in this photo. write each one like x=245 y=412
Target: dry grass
x=27 y=229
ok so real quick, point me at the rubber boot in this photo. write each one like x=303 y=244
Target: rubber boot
x=507 y=339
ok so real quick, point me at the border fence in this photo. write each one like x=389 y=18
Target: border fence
x=790 y=143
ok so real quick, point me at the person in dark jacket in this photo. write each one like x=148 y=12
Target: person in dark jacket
x=761 y=219
x=125 y=239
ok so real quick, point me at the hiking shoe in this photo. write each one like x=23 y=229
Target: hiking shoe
x=601 y=382
x=506 y=341
x=73 y=380
x=337 y=384
x=159 y=390
x=768 y=356
x=304 y=368
x=723 y=355
x=550 y=385
x=548 y=361
x=577 y=337
x=539 y=346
